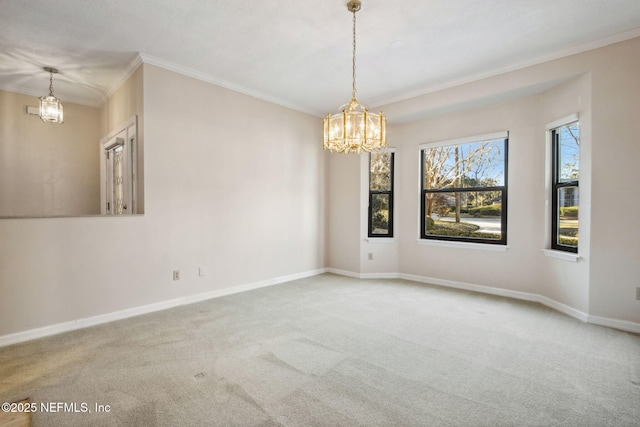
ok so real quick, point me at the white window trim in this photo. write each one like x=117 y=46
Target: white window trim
x=563 y=121
x=548 y=176
x=466 y=140
x=463 y=245
x=381 y=239
x=563 y=255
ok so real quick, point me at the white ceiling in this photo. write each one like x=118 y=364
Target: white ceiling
x=296 y=53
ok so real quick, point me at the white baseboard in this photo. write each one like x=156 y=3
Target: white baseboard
x=379 y=275
x=471 y=287
x=563 y=308
x=31 y=334
x=615 y=323
x=623 y=325
x=344 y=272
x=86 y=322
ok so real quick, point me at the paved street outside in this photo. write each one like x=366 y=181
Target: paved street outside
x=487 y=225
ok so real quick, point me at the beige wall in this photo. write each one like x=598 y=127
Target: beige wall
x=232 y=184
x=522 y=267
x=602 y=87
x=241 y=187
x=615 y=246
x=343 y=207
x=238 y=182
x=48 y=169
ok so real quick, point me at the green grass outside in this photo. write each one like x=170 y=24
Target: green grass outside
x=458 y=229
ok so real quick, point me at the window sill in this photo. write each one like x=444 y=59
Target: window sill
x=380 y=239
x=565 y=256
x=463 y=245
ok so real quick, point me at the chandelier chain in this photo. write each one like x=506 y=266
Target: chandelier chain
x=353 y=89
x=51 y=84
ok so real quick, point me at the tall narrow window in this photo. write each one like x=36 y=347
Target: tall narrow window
x=381 y=194
x=565 y=197
x=464 y=190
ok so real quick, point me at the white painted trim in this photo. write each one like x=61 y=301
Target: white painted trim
x=627 y=35
x=378 y=275
x=380 y=239
x=565 y=256
x=562 y=308
x=343 y=272
x=563 y=121
x=623 y=325
x=198 y=75
x=86 y=322
x=466 y=140
x=45 y=331
x=463 y=245
x=131 y=67
x=471 y=287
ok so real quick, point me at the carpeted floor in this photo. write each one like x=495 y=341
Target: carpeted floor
x=334 y=351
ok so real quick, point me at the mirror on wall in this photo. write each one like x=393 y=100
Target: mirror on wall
x=59 y=170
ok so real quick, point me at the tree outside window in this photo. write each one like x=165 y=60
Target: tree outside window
x=565 y=197
x=464 y=191
x=381 y=194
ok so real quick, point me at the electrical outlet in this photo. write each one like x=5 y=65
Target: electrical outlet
x=176 y=274
x=638 y=293
x=370 y=256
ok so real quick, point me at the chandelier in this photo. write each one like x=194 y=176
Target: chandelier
x=50 y=106
x=354 y=129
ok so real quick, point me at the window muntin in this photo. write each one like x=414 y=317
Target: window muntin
x=464 y=192
x=381 y=194
x=565 y=195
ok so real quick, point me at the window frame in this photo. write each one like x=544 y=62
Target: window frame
x=390 y=194
x=556 y=185
x=503 y=189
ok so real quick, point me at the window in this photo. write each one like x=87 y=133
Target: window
x=381 y=194
x=565 y=196
x=464 y=190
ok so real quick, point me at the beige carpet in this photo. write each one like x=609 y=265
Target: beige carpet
x=335 y=351
x=17 y=414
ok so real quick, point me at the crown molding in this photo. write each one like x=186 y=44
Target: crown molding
x=131 y=67
x=585 y=47
x=207 y=78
